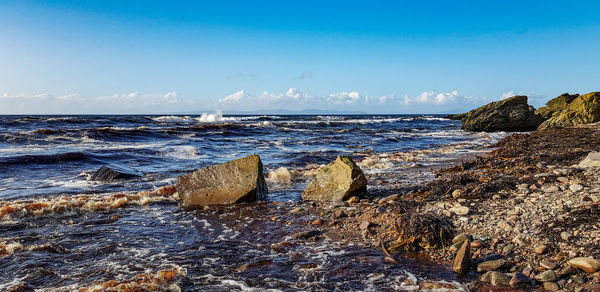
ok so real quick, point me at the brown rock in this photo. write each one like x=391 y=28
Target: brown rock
x=490 y=265
x=365 y=225
x=236 y=181
x=551 y=286
x=317 y=222
x=256 y=264
x=540 y=249
x=476 y=244
x=589 y=265
x=462 y=261
x=338 y=181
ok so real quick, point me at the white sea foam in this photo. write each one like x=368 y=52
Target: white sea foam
x=172 y=119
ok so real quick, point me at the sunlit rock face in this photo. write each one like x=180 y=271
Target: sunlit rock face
x=338 y=181
x=236 y=181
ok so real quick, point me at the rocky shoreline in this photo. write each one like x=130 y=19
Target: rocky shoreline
x=530 y=212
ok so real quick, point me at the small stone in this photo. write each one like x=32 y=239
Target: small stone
x=365 y=225
x=317 y=222
x=566 y=235
x=387 y=199
x=576 y=188
x=306 y=234
x=339 y=214
x=381 y=210
x=568 y=270
x=540 y=249
x=546 y=276
x=457 y=194
x=578 y=279
x=499 y=279
x=490 y=265
x=519 y=279
x=476 y=244
x=508 y=249
x=548 y=264
x=353 y=199
x=460 y=210
x=296 y=210
x=520 y=240
x=589 y=265
x=462 y=261
x=527 y=271
x=447 y=213
x=550 y=189
x=551 y=286
x=460 y=238
x=333 y=236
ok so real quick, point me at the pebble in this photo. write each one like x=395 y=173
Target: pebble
x=519 y=279
x=460 y=210
x=547 y=264
x=317 y=222
x=365 y=225
x=338 y=214
x=353 y=199
x=527 y=271
x=476 y=244
x=576 y=188
x=499 y=279
x=306 y=234
x=550 y=189
x=387 y=199
x=566 y=235
x=459 y=238
x=508 y=249
x=551 y=286
x=540 y=249
x=490 y=265
x=546 y=276
x=457 y=194
x=296 y=210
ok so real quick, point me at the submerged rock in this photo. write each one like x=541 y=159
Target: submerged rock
x=108 y=174
x=338 y=181
x=236 y=181
x=584 y=109
x=511 y=114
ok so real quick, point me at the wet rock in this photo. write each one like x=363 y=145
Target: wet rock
x=527 y=271
x=306 y=234
x=546 y=276
x=584 y=109
x=457 y=194
x=511 y=114
x=353 y=199
x=387 y=199
x=462 y=261
x=333 y=236
x=551 y=286
x=296 y=210
x=589 y=265
x=519 y=280
x=236 y=181
x=317 y=222
x=109 y=174
x=338 y=181
x=591 y=160
x=256 y=264
x=490 y=265
x=476 y=244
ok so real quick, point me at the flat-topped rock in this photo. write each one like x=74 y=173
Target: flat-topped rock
x=511 y=114
x=236 y=181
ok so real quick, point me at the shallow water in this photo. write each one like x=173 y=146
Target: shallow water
x=48 y=157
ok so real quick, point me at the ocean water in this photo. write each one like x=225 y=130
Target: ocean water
x=51 y=158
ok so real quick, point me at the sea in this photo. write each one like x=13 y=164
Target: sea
x=49 y=160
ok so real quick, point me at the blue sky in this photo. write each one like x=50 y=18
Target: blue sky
x=60 y=57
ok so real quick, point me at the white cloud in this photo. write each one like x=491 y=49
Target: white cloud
x=171 y=97
x=434 y=98
x=292 y=94
x=235 y=97
x=344 y=97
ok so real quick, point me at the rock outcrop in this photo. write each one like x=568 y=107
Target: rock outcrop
x=236 y=181
x=108 y=174
x=584 y=109
x=511 y=114
x=338 y=181
x=555 y=105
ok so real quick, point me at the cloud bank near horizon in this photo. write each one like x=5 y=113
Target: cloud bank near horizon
x=293 y=99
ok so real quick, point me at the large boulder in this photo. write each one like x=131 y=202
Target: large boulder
x=556 y=105
x=338 y=181
x=109 y=174
x=584 y=109
x=511 y=114
x=591 y=160
x=236 y=181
